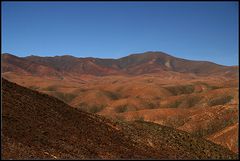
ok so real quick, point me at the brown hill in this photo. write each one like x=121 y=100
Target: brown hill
x=135 y=64
x=35 y=125
x=11 y=63
x=202 y=106
x=230 y=133
x=162 y=61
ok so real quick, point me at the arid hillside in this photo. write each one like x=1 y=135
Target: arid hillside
x=135 y=64
x=197 y=97
x=38 y=126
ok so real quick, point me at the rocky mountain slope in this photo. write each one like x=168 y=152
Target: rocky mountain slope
x=135 y=64
x=38 y=126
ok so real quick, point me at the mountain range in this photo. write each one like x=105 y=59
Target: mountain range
x=135 y=64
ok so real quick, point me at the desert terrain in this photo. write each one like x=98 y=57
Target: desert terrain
x=36 y=125
x=197 y=97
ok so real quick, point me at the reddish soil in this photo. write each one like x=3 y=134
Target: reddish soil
x=38 y=126
x=194 y=96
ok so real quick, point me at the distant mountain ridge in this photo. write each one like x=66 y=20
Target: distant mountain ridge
x=135 y=64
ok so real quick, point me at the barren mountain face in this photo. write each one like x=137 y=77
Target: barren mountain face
x=197 y=97
x=135 y=64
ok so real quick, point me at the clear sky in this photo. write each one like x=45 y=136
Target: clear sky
x=190 y=30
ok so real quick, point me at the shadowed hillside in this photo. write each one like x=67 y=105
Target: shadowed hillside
x=36 y=125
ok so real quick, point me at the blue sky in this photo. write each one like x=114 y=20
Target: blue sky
x=190 y=30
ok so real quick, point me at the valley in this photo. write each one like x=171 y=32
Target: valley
x=200 y=98
x=36 y=125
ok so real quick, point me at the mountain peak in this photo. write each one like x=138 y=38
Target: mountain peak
x=5 y=55
x=66 y=55
x=151 y=53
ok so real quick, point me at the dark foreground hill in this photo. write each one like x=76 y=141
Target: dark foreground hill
x=38 y=126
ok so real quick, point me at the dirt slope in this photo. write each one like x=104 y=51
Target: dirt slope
x=36 y=125
x=230 y=133
x=201 y=106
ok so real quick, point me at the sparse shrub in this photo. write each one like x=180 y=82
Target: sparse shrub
x=151 y=105
x=59 y=95
x=139 y=118
x=202 y=132
x=174 y=104
x=178 y=90
x=149 y=81
x=230 y=111
x=220 y=100
x=66 y=97
x=119 y=118
x=69 y=97
x=188 y=89
x=115 y=81
x=33 y=87
x=216 y=125
x=96 y=108
x=112 y=95
x=51 y=88
x=137 y=97
x=157 y=98
x=213 y=87
x=83 y=106
x=192 y=101
x=92 y=109
x=121 y=108
x=175 y=121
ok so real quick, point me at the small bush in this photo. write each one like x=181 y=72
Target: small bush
x=192 y=101
x=139 y=118
x=83 y=106
x=220 y=100
x=149 y=81
x=92 y=109
x=96 y=108
x=157 y=98
x=137 y=97
x=174 y=104
x=33 y=87
x=151 y=105
x=121 y=108
x=66 y=97
x=112 y=95
x=119 y=118
x=51 y=88
x=213 y=87
x=175 y=121
x=188 y=89
x=178 y=90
